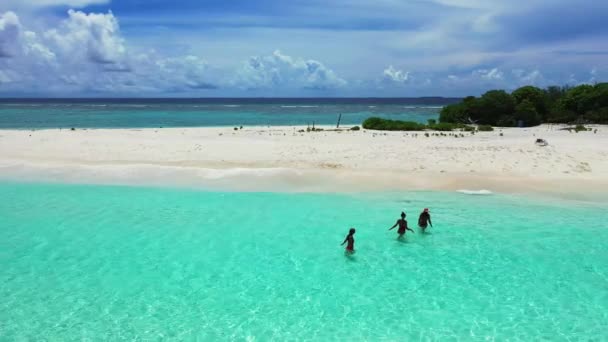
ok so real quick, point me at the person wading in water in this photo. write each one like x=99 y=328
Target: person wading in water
x=402 y=223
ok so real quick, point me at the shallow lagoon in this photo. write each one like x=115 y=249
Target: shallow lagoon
x=108 y=263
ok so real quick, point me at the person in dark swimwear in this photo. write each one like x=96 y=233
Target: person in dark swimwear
x=402 y=223
x=350 y=247
x=425 y=219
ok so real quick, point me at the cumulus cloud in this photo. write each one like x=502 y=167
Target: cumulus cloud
x=489 y=74
x=279 y=70
x=523 y=77
x=36 y=4
x=10 y=30
x=96 y=36
x=393 y=75
x=86 y=53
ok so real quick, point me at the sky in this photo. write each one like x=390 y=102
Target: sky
x=296 y=48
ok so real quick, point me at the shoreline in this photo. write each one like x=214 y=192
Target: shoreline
x=282 y=159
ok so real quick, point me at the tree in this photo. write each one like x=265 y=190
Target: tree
x=599 y=116
x=492 y=106
x=454 y=113
x=533 y=106
x=577 y=99
x=527 y=114
x=534 y=95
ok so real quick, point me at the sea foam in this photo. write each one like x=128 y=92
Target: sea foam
x=475 y=192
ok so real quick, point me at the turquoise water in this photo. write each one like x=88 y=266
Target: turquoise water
x=122 y=263
x=41 y=114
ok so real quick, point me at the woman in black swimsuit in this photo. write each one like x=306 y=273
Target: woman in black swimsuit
x=350 y=247
x=402 y=223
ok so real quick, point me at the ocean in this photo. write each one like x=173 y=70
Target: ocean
x=154 y=113
x=87 y=262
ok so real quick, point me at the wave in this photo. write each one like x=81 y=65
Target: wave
x=268 y=173
x=475 y=192
x=136 y=105
x=231 y=105
x=299 y=106
x=423 y=107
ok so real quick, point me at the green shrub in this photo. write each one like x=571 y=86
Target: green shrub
x=599 y=116
x=559 y=115
x=355 y=128
x=455 y=113
x=468 y=128
x=580 y=128
x=506 y=121
x=432 y=122
x=485 y=128
x=375 y=123
x=444 y=127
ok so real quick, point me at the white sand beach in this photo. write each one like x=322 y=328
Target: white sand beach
x=280 y=158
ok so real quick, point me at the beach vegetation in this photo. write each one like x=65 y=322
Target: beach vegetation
x=444 y=126
x=526 y=114
x=530 y=106
x=380 y=124
x=485 y=128
x=375 y=123
x=432 y=122
x=355 y=128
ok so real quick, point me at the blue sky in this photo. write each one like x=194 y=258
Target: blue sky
x=297 y=48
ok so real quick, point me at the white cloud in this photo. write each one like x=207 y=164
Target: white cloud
x=87 y=53
x=394 y=75
x=36 y=4
x=188 y=71
x=10 y=31
x=94 y=35
x=279 y=70
x=489 y=75
x=523 y=77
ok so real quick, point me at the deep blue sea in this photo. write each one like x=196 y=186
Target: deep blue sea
x=141 y=113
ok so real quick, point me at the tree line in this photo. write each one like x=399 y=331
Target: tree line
x=531 y=106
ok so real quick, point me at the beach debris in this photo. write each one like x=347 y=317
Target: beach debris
x=541 y=142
